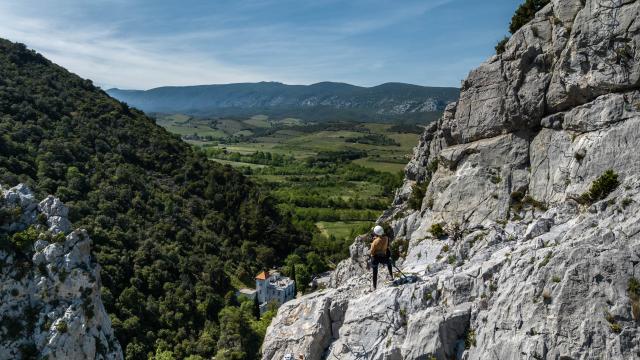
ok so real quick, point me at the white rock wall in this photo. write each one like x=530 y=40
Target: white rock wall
x=543 y=277
x=50 y=305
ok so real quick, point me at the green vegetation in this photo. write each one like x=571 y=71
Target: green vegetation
x=601 y=187
x=437 y=231
x=399 y=249
x=404 y=128
x=634 y=288
x=373 y=139
x=23 y=241
x=170 y=228
x=418 y=192
x=521 y=202
x=61 y=327
x=382 y=147
x=525 y=13
x=470 y=339
x=501 y=45
x=613 y=324
x=241 y=334
x=316 y=180
x=546 y=259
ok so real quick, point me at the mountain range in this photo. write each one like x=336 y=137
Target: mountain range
x=316 y=102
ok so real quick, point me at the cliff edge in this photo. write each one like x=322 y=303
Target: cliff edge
x=519 y=213
x=50 y=304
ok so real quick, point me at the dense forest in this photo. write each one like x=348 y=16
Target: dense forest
x=171 y=230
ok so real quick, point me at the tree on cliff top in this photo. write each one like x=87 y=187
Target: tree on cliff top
x=525 y=13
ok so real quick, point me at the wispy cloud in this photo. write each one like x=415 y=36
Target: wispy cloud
x=112 y=60
x=150 y=43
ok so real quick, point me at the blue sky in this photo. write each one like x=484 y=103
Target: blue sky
x=141 y=44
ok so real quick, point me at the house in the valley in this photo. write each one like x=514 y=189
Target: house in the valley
x=271 y=286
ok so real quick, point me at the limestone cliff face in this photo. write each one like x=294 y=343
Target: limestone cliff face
x=526 y=271
x=50 y=305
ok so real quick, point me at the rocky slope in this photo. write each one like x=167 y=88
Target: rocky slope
x=50 y=305
x=529 y=267
x=312 y=102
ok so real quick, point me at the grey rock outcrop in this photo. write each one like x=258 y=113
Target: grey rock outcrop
x=50 y=304
x=529 y=269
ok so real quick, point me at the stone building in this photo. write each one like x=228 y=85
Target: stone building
x=271 y=286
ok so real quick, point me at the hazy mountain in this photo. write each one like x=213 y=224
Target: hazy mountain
x=321 y=101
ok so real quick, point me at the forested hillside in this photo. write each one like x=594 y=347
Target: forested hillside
x=169 y=227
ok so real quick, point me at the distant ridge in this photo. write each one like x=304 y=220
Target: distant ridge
x=320 y=101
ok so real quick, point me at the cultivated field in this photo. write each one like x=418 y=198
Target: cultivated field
x=338 y=176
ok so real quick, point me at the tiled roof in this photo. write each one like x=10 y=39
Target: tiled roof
x=262 y=276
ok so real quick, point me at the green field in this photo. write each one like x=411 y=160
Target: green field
x=341 y=229
x=295 y=162
x=293 y=137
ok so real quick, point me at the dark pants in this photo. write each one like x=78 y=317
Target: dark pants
x=374 y=264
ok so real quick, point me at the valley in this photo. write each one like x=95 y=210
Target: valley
x=332 y=178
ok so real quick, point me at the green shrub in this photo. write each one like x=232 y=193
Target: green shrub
x=546 y=259
x=399 y=249
x=23 y=240
x=62 y=275
x=601 y=187
x=525 y=13
x=470 y=339
x=451 y=259
x=528 y=200
x=418 y=192
x=633 y=288
x=517 y=196
x=500 y=46
x=62 y=327
x=58 y=238
x=616 y=328
x=437 y=231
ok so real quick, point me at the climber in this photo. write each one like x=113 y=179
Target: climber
x=380 y=253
